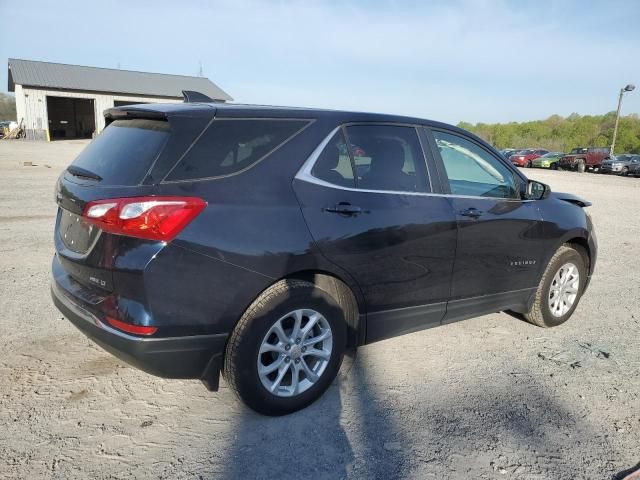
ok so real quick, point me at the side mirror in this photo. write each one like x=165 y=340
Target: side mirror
x=536 y=190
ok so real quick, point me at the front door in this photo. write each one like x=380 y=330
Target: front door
x=381 y=224
x=499 y=246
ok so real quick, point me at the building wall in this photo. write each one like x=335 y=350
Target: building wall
x=31 y=107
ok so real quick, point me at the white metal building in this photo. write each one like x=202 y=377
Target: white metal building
x=59 y=101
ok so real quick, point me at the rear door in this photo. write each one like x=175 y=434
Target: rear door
x=382 y=224
x=498 y=244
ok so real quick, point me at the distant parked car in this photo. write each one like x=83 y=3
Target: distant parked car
x=548 y=160
x=582 y=159
x=620 y=164
x=634 y=169
x=525 y=157
x=507 y=152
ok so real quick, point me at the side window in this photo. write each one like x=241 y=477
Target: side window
x=231 y=145
x=334 y=164
x=472 y=170
x=388 y=157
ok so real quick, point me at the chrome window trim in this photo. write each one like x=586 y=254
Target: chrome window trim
x=304 y=174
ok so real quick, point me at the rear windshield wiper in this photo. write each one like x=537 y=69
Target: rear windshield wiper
x=82 y=172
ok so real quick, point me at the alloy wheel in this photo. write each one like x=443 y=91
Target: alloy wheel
x=564 y=289
x=295 y=352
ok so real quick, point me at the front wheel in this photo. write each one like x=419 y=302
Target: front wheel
x=286 y=349
x=625 y=171
x=554 y=166
x=560 y=289
x=581 y=167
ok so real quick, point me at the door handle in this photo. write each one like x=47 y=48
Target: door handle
x=471 y=212
x=344 y=209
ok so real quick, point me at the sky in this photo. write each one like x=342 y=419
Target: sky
x=457 y=60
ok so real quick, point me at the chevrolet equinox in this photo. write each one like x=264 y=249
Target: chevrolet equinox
x=260 y=243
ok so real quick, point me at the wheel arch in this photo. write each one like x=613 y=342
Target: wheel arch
x=351 y=301
x=581 y=245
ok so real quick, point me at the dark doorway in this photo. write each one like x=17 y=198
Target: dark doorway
x=71 y=117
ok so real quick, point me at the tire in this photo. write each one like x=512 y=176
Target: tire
x=554 y=166
x=528 y=165
x=278 y=305
x=541 y=313
x=625 y=171
x=581 y=167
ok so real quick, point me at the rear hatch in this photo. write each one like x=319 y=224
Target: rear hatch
x=127 y=159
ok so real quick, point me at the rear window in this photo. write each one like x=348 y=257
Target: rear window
x=229 y=146
x=123 y=153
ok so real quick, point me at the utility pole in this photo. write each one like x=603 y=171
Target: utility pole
x=628 y=88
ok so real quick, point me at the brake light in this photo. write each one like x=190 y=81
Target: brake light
x=154 y=218
x=130 y=328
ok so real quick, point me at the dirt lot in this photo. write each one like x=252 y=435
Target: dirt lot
x=491 y=397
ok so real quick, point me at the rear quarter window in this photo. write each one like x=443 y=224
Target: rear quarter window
x=125 y=151
x=230 y=146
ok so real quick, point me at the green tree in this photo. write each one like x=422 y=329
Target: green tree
x=560 y=133
x=7 y=107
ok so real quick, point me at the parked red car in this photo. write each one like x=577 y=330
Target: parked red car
x=524 y=157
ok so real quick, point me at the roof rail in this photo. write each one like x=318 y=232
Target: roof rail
x=195 y=97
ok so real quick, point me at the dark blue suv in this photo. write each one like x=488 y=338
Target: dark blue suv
x=262 y=242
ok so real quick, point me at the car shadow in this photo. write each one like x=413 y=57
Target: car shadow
x=626 y=473
x=292 y=446
x=317 y=441
x=364 y=427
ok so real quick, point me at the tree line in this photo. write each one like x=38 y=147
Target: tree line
x=7 y=107
x=558 y=133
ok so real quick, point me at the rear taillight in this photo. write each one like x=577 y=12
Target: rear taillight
x=154 y=218
x=131 y=328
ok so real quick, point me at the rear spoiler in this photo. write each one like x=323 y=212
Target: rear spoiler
x=149 y=112
x=120 y=113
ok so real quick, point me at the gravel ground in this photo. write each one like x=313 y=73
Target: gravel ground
x=491 y=397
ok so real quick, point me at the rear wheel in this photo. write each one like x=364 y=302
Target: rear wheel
x=287 y=348
x=581 y=167
x=560 y=289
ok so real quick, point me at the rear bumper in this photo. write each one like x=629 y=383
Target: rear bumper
x=197 y=356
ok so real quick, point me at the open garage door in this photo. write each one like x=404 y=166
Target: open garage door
x=71 y=117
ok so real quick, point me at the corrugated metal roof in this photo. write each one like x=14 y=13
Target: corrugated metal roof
x=75 y=77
